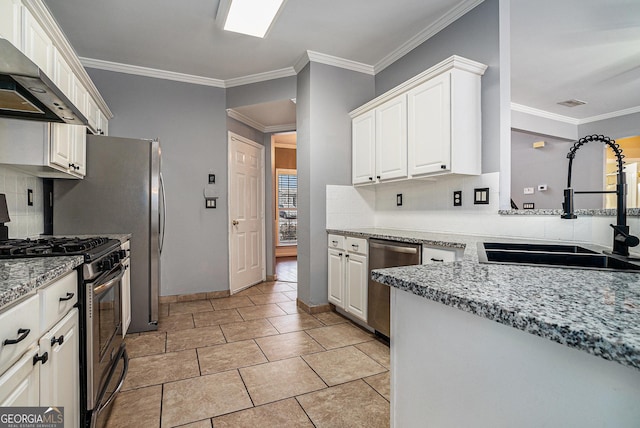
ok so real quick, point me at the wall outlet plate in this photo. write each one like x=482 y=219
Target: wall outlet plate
x=481 y=196
x=457 y=198
x=212 y=179
x=529 y=190
x=399 y=200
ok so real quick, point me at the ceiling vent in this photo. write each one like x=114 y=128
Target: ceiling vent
x=572 y=103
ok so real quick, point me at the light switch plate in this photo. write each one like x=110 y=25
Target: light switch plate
x=528 y=205
x=399 y=200
x=210 y=202
x=481 y=196
x=528 y=190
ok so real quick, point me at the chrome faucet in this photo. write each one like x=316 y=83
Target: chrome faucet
x=622 y=240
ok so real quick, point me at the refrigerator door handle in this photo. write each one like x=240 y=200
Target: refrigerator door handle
x=164 y=213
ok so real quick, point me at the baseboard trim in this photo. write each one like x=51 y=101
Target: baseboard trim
x=313 y=309
x=194 y=296
x=272 y=278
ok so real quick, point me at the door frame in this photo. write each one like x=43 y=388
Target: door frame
x=230 y=137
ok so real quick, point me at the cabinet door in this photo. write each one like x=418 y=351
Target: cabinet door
x=336 y=277
x=79 y=158
x=61 y=145
x=11 y=22
x=363 y=148
x=391 y=139
x=429 y=126
x=19 y=385
x=126 y=297
x=60 y=375
x=357 y=285
x=63 y=76
x=93 y=114
x=36 y=43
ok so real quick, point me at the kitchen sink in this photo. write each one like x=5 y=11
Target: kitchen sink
x=551 y=255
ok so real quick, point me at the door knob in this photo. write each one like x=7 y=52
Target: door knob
x=235 y=222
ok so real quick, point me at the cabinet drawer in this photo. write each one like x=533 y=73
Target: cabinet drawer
x=58 y=299
x=336 y=241
x=437 y=255
x=14 y=324
x=356 y=245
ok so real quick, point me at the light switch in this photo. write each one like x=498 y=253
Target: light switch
x=481 y=196
x=528 y=191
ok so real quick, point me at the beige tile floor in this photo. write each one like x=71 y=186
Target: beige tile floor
x=253 y=360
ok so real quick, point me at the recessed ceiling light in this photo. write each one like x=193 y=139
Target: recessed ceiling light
x=572 y=103
x=251 y=17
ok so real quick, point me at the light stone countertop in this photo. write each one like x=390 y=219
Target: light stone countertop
x=594 y=311
x=21 y=277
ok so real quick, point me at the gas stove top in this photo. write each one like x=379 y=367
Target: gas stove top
x=91 y=248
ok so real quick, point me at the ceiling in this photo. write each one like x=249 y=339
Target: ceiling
x=584 y=49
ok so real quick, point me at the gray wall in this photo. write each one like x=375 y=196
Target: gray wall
x=326 y=94
x=617 y=127
x=548 y=165
x=190 y=122
x=262 y=92
x=474 y=36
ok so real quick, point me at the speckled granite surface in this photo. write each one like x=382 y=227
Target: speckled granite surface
x=594 y=311
x=425 y=238
x=558 y=212
x=122 y=237
x=19 y=277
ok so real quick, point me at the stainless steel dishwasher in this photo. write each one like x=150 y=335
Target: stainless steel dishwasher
x=384 y=254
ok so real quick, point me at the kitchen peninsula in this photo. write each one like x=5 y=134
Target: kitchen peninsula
x=505 y=345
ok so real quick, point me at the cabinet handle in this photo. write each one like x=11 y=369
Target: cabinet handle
x=355 y=246
x=22 y=334
x=443 y=167
x=347 y=255
x=76 y=167
x=334 y=242
x=44 y=358
x=71 y=165
x=59 y=340
x=69 y=296
x=378 y=177
x=370 y=178
x=340 y=254
x=436 y=260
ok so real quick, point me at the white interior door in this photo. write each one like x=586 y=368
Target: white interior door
x=246 y=213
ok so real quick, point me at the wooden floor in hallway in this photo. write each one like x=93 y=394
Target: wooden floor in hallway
x=287 y=269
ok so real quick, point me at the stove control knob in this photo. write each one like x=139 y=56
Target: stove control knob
x=115 y=257
x=106 y=265
x=123 y=254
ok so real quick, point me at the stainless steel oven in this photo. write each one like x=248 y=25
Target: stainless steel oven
x=107 y=359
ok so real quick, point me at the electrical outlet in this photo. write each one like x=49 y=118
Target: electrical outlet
x=528 y=205
x=481 y=196
x=30 y=197
x=212 y=179
x=528 y=191
x=399 y=200
x=457 y=198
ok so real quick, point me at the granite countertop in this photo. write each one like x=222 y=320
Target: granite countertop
x=424 y=238
x=631 y=212
x=594 y=311
x=122 y=237
x=21 y=277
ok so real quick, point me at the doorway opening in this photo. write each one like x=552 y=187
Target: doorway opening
x=285 y=205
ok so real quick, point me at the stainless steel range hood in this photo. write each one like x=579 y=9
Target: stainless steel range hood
x=26 y=92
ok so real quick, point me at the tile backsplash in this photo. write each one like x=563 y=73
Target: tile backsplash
x=26 y=221
x=428 y=206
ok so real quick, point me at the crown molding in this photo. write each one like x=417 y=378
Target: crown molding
x=611 y=115
x=150 y=72
x=347 y=64
x=260 y=77
x=570 y=120
x=545 y=114
x=452 y=15
x=234 y=114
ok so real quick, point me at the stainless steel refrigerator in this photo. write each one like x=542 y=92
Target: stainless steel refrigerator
x=121 y=193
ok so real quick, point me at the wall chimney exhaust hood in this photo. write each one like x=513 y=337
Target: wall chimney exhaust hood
x=26 y=92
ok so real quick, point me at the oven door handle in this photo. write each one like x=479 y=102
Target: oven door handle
x=108 y=283
x=125 y=368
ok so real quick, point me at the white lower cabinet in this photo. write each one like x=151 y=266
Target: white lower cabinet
x=46 y=372
x=348 y=275
x=20 y=385
x=60 y=375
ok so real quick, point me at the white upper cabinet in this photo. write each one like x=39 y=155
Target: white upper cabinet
x=63 y=75
x=68 y=148
x=391 y=139
x=11 y=21
x=429 y=129
x=363 y=147
x=429 y=125
x=37 y=44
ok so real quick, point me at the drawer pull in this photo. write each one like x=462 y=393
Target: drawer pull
x=59 y=340
x=340 y=254
x=69 y=296
x=355 y=246
x=22 y=334
x=44 y=358
x=433 y=259
x=334 y=242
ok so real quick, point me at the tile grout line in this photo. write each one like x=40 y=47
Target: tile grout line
x=253 y=405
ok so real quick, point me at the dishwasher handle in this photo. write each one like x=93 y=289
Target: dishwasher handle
x=394 y=248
